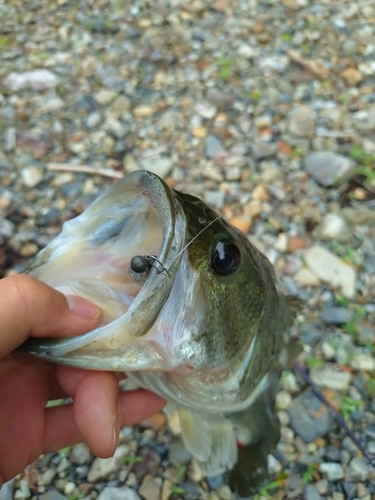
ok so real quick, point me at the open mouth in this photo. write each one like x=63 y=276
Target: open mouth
x=93 y=257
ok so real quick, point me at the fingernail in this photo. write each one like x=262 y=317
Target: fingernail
x=83 y=308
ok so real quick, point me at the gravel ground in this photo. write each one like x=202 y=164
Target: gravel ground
x=265 y=109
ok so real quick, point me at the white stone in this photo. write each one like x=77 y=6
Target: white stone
x=101 y=468
x=330 y=269
x=159 y=165
x=333 y=227
x=38 y=80
x=52 y=104
x=304 y=277
x=328 y=351
x=363 y=362
x=331 y=378
x=283 y=400
x=332 y=470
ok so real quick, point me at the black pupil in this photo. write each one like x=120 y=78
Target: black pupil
x=226 y=258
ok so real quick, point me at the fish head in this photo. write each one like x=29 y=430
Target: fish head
x=203 y=321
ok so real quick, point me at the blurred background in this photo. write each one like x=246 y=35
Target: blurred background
x=266 y=110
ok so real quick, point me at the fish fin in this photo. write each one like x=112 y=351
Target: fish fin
x=196 y=433
x=223 y=454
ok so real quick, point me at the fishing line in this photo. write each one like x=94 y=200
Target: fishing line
x=140 y=265
x=196 y=236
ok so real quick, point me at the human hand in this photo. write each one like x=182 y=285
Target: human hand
x=30 y=308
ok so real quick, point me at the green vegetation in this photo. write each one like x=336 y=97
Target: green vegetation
x=64 y=451
x=308 y=474
x=269 y=487
x=341 y=301
x=55 y=402
x=176 y=490
x=225 y=65
x=348 y=254
x=370 y=387
x=349 y=405
x=255 y=95
x=78 y=496
x=5 y=40
x=314 y=362
x=181 y=469
x=366 y=168
x=350 y=326
x=286 y=37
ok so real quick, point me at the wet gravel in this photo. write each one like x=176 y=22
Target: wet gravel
x=266 y=110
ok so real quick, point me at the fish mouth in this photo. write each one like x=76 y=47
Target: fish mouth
x=91 y=258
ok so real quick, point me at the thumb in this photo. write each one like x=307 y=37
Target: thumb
x=30 y=308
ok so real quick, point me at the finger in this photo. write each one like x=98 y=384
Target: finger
x=95 y=406
x=137 y=405
x=95 y=411
x=61 y=429
x=29 y=307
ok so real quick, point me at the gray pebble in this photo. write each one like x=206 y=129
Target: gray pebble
x=178 y=454
x=149 y=464
x=311 y=493
x=122 y=493
x=80 y=454
x=336 y=315
x=301 y=122
x=150 y=488
x=94 y=119
x=310 y=419
x=364 y=120
x=52 y=495
x=329 y=169
x=358 y=469
x=46 y=477
x=159 y=165
x=213 y=146
x=6 y=491
x=261 y=149
x=215 y=198
x=332 y=470
x=7 y=228
x=10 y=137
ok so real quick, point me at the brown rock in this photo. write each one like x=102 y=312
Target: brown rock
x=295 y=243
x=260 y=192
x=242 y=222
x=221 y=5
x=352 y=76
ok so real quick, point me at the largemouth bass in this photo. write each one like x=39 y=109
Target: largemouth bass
x=191 y=310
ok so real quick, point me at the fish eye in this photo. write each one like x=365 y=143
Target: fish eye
x=226 y=258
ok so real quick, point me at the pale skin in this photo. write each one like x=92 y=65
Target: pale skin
x=30 y=308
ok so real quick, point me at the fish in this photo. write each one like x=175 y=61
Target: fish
x=192 y=311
